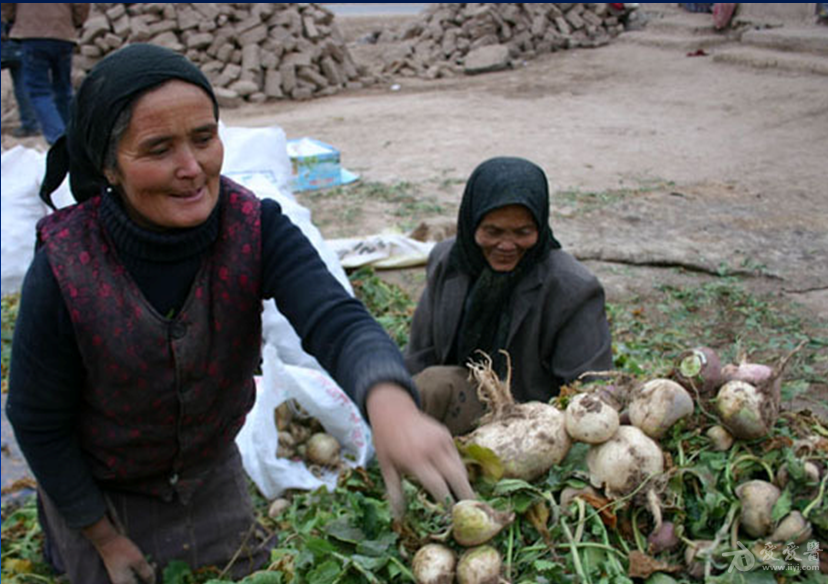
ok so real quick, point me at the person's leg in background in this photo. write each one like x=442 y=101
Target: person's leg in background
x=62 y=77
x=28 y=119
x=37 y=68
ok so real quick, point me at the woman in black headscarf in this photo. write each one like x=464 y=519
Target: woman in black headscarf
x=139 y=334
x=504 y=283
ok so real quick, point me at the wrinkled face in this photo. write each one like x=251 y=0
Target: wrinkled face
x=504 y=235
x=169 y=159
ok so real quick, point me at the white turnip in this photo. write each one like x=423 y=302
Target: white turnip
x=659 y=404
x=323 y=449
x=479 y=565
x=589 y=419
x=434 y=563
x=793 y=528
x=699 y=369
x=809 y=474
x=747 y=411
x=720 y=438
x=758 y=499
x=528 y=439
x=475 y=522
x=626 y=460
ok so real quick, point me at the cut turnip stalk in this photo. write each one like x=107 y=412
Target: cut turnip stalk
x=474 y=522
x=434 y=563
x=589 y=419
x=699 y=369
x=659 y=404
x=528 y=439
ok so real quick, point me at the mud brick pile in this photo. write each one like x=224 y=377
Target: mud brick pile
x=452 y=38
x=250 y=51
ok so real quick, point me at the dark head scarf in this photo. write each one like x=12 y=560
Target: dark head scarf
x=111 y=86
x=496 y=183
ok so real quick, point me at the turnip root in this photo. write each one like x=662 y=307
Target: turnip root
x=589 y=419
x=659 y=404
x=434 y=563
x=475 y=522
x=721 y=439
x=699 y=369
x=323 y=449
x=528 y=438
x=622 y=463
x=793 y=528
x=747 y=411
x=479 y=565
x=758 y=499
x=277 y=507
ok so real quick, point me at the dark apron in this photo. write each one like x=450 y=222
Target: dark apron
x=216 y=527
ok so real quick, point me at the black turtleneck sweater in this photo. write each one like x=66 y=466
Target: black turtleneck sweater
x=47 y=373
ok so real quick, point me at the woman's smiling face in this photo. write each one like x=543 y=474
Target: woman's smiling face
x=504 y=235
x=169 y=159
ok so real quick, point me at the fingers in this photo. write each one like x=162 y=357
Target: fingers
x=393 y=486
x=145 y=573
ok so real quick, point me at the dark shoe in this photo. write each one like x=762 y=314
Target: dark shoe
x=25 y=132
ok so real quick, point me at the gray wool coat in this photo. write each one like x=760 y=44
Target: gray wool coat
x=559 y=327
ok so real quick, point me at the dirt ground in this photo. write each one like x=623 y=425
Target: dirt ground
x=698 y=165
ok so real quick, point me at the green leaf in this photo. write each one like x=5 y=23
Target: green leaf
x=325 y=573
x=377 y=547
x=660 y=578
x=342 y=530
x=178 y=572
x=782 y=506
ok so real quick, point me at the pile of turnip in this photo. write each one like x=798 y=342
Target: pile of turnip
x=302 y=437
x=701 y=450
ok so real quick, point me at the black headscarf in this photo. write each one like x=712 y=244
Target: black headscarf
x=110 y=87
x=496 y=183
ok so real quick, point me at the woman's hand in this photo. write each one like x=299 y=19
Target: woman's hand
x=408 y=441
x=124 y=562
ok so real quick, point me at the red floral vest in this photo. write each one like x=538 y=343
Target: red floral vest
x=162 y=399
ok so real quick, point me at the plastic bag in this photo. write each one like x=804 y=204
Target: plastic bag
x=323 y=399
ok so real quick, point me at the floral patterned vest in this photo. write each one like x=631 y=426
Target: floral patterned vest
x=163 y=398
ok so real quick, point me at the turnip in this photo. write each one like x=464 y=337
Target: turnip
x=699 y=369
x=528 y=438
x=277 y=507
x=810 y=474
x=721 y=439
x=569 y=494
x=793 y=528
x=625 y=461
x=663 y=539
x=475 y=522
x=758 y=499
x=434 y=563
x=749 y=401
x=747 y=411
x=479 y=565
x=589 y=419
x=659 y=404
x=323 y=449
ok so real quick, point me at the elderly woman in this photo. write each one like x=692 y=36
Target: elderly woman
x=504 y=284
x=140 y=331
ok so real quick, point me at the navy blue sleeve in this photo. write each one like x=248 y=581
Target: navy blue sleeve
x=334 y=327
x=45 y=381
